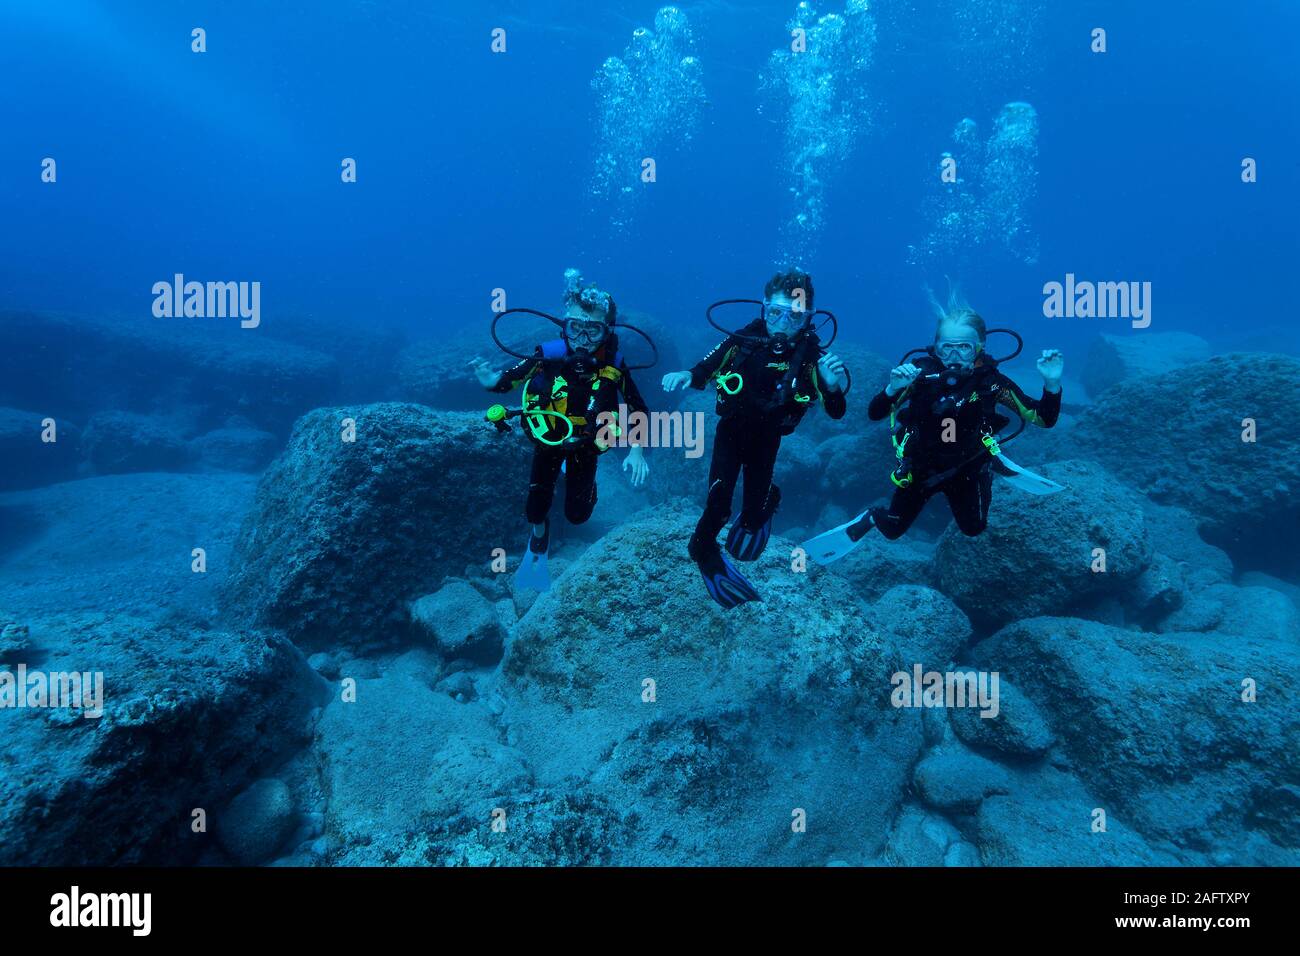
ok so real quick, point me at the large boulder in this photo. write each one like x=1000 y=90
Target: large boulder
x=98 y=575
x=1229 y=609
x=927 y=628
x=1259 y=579
x=1048 y=818
x=721 y=728
x=437 y=371
x=954 y=779
x=1188 y=737
x=1179 y=437
x=1174 y=533
x=1037 y=554
x=460 y=623
x=344 y=534
x=190 y=716
x=117 y=442
x=1118 y=358
x=1017 y=730
x=365 y=350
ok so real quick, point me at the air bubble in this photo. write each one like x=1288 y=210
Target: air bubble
x=647 y=102
x=818 y=97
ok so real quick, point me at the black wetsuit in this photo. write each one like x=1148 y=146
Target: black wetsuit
x=579 y=460
x=930 y=410
x=751 y=425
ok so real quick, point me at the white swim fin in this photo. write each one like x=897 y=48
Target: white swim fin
x=832 y=545
x=1023 y=479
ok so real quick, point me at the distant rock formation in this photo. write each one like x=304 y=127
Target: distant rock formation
x=1118 y=358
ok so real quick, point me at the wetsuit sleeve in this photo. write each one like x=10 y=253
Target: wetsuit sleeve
x=833 y=401
x=881 y=404
x=514 y=376
x=708 y=366
x=1042 y=412
x=631 y=394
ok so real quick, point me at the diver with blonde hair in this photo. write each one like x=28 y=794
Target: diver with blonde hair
x=945 y=414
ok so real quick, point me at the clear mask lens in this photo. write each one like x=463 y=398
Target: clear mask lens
x=781 y=319
x=961 y=351
x=586 y=332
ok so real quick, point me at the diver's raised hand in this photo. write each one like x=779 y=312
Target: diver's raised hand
x=901 y=377
x=486 y=375
x=675 y=380
x=1050 y=365
x=831 y=370
x=636 y=461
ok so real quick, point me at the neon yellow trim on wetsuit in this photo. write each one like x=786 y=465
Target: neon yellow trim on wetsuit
x=1028 y=414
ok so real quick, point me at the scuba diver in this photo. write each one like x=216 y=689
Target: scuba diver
x=572 y=388
x=943 y=411
x=766 y=374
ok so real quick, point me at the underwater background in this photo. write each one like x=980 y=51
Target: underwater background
x=309 y=653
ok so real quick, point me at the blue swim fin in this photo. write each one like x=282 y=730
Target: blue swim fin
x=746 y=544
x=532 y=571
x=725 y=584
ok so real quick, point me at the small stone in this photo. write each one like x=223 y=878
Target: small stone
x=257 y=822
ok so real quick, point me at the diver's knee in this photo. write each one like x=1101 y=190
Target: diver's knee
x=579 y=514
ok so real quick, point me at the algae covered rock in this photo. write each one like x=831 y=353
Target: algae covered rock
x=1228 y=609
x=344 y=534
x=234 y=448
x=461 y=622
x=1178 y=437
x=1018 y=729
x=1038 y=554
x=121 y=788
x=955 y=779
x=1051 y=819
x=1190 y=737
x=257 y=822
x=720 y=728
x=927 y=627
x=116 y=442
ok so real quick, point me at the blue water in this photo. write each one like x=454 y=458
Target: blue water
x=474 y=168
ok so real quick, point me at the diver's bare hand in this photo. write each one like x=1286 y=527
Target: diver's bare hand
x=484 y=372
x=900 y=378
x=675 y=380
x=1050 y=365
x=636 y=461
x=831 y=370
